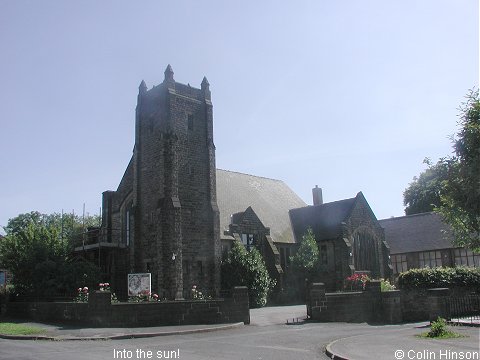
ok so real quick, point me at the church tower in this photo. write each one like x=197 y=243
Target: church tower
x=174 y=213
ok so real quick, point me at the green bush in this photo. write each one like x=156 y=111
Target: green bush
x=37 y=251
x=386 y=286
x=440 y=277
x=306 y=259
x=247 y=268
x=438 y=328
x=304 y=267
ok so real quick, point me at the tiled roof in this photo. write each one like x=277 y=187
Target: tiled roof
x=325 y=220
x=419 y=232
x=270 y=199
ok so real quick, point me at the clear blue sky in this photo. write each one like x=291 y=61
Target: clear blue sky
x=349 y=95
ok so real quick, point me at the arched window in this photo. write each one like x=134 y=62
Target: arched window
x=248 y=241
x=365 y=254
x=127 y=225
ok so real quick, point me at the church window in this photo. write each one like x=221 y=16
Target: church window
x=323 y=255
x=364 y=252
x=225 y=249
x=399 y=263
x=127 y=227
x=466 y=257
x=284 y=258
x=186 y=267
x=247 y=241
x=430 y=259
x=190 y=121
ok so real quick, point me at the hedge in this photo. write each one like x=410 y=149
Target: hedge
x=440 y=277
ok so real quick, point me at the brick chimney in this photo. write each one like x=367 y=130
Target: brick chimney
x=317 y=195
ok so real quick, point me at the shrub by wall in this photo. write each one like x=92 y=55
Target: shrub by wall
x=247 y=268
x=458 y=277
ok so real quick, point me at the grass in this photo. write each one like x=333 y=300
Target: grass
x=19 y=329
x=447 y=335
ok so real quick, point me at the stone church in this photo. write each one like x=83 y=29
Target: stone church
x=350 y=238
x=174 y=214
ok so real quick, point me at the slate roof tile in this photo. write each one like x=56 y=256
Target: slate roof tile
x=326 y=219
x=419 y=232
x=270 y=199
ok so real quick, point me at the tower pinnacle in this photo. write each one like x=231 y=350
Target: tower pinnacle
x=142 y=88
x=168 y=73
x=205 y=83
x=206 y=88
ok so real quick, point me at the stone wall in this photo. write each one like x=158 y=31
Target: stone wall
x=358 y=306
x=417 y=305
x=100 y=312
x=3 y=304
x=64 y=312
x=414 y=305
x=372 y=305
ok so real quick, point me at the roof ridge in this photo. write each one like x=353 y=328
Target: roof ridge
x=261 y=177
x=408 y=216
x=328 y=203
x=336 y=201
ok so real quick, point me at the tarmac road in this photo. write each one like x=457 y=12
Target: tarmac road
x=268 y=337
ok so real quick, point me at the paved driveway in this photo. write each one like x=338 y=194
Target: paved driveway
x=277 y=315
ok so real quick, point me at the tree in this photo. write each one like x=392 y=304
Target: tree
x=247 y=268
x=451 y=187
x=306 y=259
x=68 y=226
x=460 y=198
x=304 y=265
x=423 y=193
x=37 y=251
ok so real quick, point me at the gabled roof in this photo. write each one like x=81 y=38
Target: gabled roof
x=248 y=216
x=325 y=219
x=419 y=232
x=127 y=178
x=270 y=199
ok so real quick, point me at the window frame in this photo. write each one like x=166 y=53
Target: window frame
x=399 y=263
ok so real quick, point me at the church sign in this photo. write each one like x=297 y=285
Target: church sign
x=139 y=284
